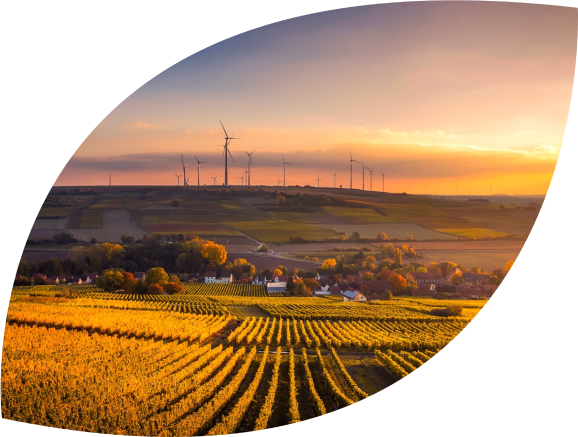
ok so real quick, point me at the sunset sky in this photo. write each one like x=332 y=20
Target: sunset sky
x=446 y=94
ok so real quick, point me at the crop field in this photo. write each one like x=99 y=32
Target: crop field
x=470 y=232
x=392 y=230
x=200 y=229
x=87 y=219
x=279 y=231
x=116 y=223
x=359 y=216
x=61 y=212
x=489 y=259
x=215 y=360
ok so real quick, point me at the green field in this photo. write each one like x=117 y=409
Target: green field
x=279 y=231
x=392 y=230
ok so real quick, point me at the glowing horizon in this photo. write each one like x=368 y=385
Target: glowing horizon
x=442 y=94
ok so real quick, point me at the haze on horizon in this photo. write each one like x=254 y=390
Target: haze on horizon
x=443 y=94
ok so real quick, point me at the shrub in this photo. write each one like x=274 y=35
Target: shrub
x=155 y=289
x=449 y=311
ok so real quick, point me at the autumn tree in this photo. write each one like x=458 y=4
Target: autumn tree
x=411 y=284
x=398 y=282
x=397 y=257
x=508 y=266
x=174 y=288
x=329 y=263
x=421 y=270
x=129 y=282
x=277 y=272
x=280 y=200
x=387 y=250
x=311 y=283
x=456 y=278
x=110 y=280
x=370 y=259
x=475 y=270
x=302 y=290
x=213 y=253
x=39 y=279
x=156 y=275
x=367 y=276
x=382 y=236
x=155 y=289
x=141 y=287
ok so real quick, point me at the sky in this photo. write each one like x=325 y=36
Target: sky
x=438 y=96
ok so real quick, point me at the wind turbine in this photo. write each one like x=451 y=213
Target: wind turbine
x=242 y=179
x=383 y=176
x=249 y=164
x=351 y=161
x=185 y=181
x=278 y=181
x=246 y=175
x=363 y=175
x=335 y=179
x=214 y=179
x=199 y=170
x=284 y=164
x=318 y=180
x=227 y=152
x=371 y=179
x=178 y=178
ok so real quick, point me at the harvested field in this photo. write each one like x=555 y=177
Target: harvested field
x=486 y=259
x=262 y=262
x=49 y=223
x=117 y=223
x=202 y=230
x=471 y=232
x=55 y=212
x=277 y=231
x=87 y=219
x=39 y=255
x=392 y=230
x=357 y=216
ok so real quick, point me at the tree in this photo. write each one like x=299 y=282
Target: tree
x=397 y=257
x=410 y=237
x=508 y=266
x=364 y=289
x=456 y=278
x=39 y=279
x=277 y=272
x=21 y=281
x=93 y=240
x=141 y=287
x=421 y=270
x=302 y=290
x=280 y=200
x=129 y=283
x=398 y=282
x=282 y=268
x=499 y=273
x=367 y=276
x=173 y=288
x=329 y=263
x=110 y=280
x=356 y=236
x=156 y=275
x=370 y=259
x=315 y=259
x=387 y=295
x=475 y=270
x=493 y=280
x=290 y=284
x=385 y=274
x=411 y=284
x=382 y=236
x=213 y=253
x=311 y=283
x=155 y=289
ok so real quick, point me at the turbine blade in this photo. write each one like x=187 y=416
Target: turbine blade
x=223 y=128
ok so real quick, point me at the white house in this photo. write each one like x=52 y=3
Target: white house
x=353 y=296
x=276 y=287
x=259 y=280
x=211 y=278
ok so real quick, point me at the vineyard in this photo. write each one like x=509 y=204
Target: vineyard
x=87 y=219
x=218 y=359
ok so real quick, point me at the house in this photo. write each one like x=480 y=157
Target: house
x=476 y=291
x=259 y=280
x=424 y=289
x=139 y=275
x=430 y=277
x=321 y=292
x=353 y=296
x=474 y=279
x=335 y=290
x=442 y=288
x=279 y=278
x=211 y=278
x=319 y=277
x=276 y=287
x=88 y=278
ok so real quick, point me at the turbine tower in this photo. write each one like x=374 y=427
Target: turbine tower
x=351 y=161
x=318 y=180
x=185 y=180
x=178 y=178
x=199 y=170
x=227 y=152
x=110 y=179
x=249 y=165
x=371 y=179
x=214 y=178
x=284 y=164
x=383 y=176
x=363 y=175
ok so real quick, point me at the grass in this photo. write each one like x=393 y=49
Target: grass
x=357 y=216
x=392 y=230
x=278 y=231
x=470 y=232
